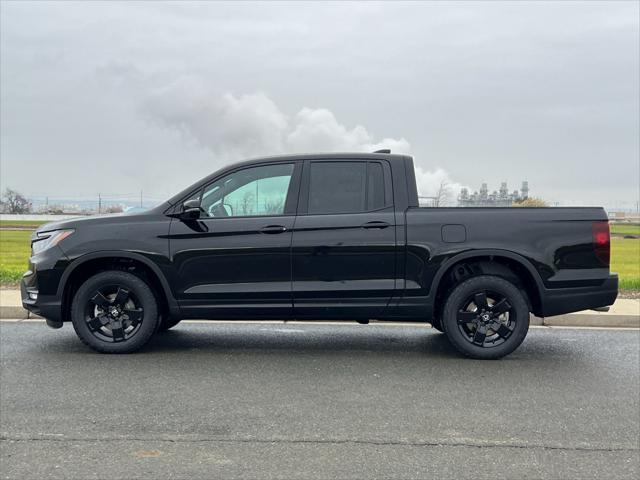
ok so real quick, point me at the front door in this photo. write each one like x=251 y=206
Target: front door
x=234 y=261
x=344 y=242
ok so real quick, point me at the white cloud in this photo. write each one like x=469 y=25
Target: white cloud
x=429 y=183
x=239 y=126
x=233 y=126
x=318 y=130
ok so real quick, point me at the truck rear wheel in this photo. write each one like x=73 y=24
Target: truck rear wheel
x=486 y=317
x=114 y=312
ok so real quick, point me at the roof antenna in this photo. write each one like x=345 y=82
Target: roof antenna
x=384 y=150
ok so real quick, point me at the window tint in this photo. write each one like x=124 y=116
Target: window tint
x=346 y=187
x=252 y=191
x=337 y=187
x=375 y=186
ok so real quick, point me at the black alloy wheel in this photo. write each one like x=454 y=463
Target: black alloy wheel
x=486 y=317
x=115 y=312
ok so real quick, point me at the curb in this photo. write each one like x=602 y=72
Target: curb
x=569 y=320
x=14 y=311
x=591 y=320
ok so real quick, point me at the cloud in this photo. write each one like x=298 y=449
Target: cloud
x=319 y=130
x=240 y=126
x=429 y=183
x=228 y=125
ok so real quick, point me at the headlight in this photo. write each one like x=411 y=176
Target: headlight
x=48 y=239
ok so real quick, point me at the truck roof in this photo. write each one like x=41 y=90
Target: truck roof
x=337 y=156
x=329 y=155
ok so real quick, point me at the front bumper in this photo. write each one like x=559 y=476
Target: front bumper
x=558 y=301
x=39 y=284
x=47 y=306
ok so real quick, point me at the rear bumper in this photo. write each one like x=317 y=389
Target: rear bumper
x=566 y=300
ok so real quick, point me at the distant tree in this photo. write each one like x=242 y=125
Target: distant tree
x=531 y=202
x=442 y=195
x=114 y=209
x=247 y=203
x=15 y=202
x=274 y=206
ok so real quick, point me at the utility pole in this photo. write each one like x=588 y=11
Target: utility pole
x=140 y=198
x=99 y=203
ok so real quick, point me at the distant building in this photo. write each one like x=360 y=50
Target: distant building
x=501 y=198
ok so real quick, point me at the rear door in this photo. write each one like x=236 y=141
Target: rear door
x=344 y=241
x=234 y=261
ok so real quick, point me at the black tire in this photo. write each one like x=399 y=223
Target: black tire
x=114 y=312
x=167 y=323
x=490 y=328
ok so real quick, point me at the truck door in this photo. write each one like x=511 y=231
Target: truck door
x=235 y=260
x=344 y=240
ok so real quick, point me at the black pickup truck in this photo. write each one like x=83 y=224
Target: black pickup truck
x=326 y=236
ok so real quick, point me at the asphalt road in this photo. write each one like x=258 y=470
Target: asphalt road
x=318 y=401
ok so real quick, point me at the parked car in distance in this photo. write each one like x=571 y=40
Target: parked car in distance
x=323 y=236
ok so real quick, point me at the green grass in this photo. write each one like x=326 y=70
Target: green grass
x=15 y=250
x=625 y=229
x=625 y=260
x=22 y=223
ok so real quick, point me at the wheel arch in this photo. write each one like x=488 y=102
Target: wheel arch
x=505 y=264
x=90 y=264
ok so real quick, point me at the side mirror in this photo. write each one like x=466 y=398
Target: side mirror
x=190 y=210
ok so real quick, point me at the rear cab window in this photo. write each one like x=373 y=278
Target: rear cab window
x=340 y=187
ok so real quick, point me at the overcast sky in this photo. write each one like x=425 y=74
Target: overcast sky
x=121 y=97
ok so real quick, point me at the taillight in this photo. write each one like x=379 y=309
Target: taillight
x=602 y=242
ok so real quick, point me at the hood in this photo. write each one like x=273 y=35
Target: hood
x=105 y=219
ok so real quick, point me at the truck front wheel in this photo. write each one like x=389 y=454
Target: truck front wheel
x=114 y=312
x=486 y=317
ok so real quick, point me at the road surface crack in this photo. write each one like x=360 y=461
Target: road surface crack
x=302 y=441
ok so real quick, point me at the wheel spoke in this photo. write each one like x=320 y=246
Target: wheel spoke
x=134 y=315
x=121 y=296
x=100 y=300
x=503 y=306
x=480 y=299
x=98 y=322
x=117 y=331
x=503 y=331
x=480 y=335
x=466 y=317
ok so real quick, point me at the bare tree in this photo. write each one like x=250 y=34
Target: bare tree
x=442 y=195
x=247 y=203
x=274 y=206
x=531 y=202
x=15 y=202
x=113 y=209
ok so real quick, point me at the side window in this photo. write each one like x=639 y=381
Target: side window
x=347 y=187
x=249 y=192
x=337 y=187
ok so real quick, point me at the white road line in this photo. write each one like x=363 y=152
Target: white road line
x=324 y=322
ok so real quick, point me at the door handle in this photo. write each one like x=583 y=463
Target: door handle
x=375 y=224
x=271 y=229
